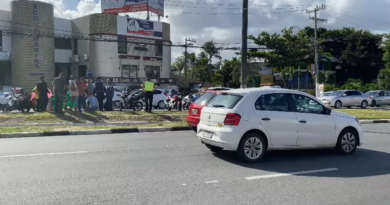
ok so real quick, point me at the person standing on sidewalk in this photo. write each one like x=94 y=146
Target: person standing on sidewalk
x=35 y=90
x=90 y=87
x=59 y=85
x=109 y=95
x=148 y=88
x=43 y=98
x=82 y=97
x=74 y=93
x=99 y=92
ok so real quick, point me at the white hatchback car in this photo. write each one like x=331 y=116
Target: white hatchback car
x=251 y=121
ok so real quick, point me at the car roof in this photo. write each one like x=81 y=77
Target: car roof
x=250 y=90
x=219 y=88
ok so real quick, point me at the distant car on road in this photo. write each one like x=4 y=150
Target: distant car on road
x=346 y=98
x=251 y=121
x=378 y=97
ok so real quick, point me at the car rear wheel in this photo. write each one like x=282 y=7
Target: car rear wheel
x=214 y=148
x=347 y=142
x=161 y=104
x=252 y=147
x=364 y=104
x=338 y=104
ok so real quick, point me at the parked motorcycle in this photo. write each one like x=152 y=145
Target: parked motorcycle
x=130 y=101
x=19 y=100
x=188 y=100
x=174 y=102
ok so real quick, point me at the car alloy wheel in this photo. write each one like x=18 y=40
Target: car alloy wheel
x=347 y=142
x=161 y=105
x=364 y=104
x=252 y=147
x=338 y=104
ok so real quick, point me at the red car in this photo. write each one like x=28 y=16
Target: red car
x=195 y=108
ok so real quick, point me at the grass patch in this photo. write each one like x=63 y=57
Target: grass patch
x=86 y=117
x=4 y=130
x=367 y=114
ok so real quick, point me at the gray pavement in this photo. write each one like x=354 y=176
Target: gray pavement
x=175 y=168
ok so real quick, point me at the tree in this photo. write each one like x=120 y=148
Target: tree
x=358 y=52
x=212 y=51
x=384 y=74
x=178 y=66
x=284 y=51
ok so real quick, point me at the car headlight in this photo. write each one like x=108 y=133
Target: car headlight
x=358 y=121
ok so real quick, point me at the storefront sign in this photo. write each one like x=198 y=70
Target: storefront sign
x=36 y=36
x=128 y=26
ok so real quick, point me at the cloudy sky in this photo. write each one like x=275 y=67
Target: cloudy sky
x=220 y=20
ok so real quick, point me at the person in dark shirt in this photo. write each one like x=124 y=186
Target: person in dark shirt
x=42 y=90
x=99 y=92
x=59 y=85
x=109 y=95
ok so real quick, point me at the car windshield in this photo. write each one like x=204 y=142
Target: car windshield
x=370 y=93
x=225 y=101
x=204 y=99
x=336 y=93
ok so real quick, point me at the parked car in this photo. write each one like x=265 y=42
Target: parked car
x=378 y=97
x=159 y=98
x=346 y=98
x=195 y=108
x=251 y=121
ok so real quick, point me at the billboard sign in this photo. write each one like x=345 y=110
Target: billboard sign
x=139 y=28
x=157 y=7
x=126 y=6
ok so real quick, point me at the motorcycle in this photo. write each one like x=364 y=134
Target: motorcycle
x=174 y=102
x=130 y=101
x=19 y=100
x=188 y=100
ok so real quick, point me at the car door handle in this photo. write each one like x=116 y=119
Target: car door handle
x=302 y=121
x=265 y=119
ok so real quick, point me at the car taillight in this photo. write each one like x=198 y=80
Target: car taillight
x=119 y=95
x=232 y=119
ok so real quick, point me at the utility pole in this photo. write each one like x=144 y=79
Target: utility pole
x=185 y=54
x=316 y=57
x=244 y=44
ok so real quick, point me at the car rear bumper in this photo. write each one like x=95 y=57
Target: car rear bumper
x=193 y=121
x=225 y=137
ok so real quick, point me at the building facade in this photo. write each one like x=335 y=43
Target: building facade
x=34 y=43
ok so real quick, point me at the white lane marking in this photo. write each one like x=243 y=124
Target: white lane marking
x=211 y=182
x=43 y=154
x=291 y=174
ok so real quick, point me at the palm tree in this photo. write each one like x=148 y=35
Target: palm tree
x=211 y=51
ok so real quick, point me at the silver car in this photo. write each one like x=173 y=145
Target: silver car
x=378 y=97
x=346 y=98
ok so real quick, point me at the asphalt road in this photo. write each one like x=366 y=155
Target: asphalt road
x=175 y=168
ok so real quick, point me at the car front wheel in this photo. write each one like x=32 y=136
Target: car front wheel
x=364 y=104
x=338 y=104
x=252 y=147
x=347 y=142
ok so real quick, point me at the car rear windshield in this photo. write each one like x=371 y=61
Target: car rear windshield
x=225 y=101
x=204 y=99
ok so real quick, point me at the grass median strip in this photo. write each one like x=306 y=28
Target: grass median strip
x=367 y=114
x=19 y=129
x=86 y=117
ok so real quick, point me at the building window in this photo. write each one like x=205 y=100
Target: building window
x=122 y=44
x=129 y=71
x=159 y=48
x=75 y=46
x=152 y=72
x=63 y=43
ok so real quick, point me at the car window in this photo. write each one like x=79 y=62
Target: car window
x=225 y=101
x=272 y=102
x=204 y=99
x=353 y=93
x=381 y=94
x=307 y=105
x=157 y=92
x=387 y=93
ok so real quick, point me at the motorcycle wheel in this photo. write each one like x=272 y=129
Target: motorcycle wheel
x=137 y=106
x=121 y=107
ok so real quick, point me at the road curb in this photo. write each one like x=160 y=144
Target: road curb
x=374 y=121
x=92 y=132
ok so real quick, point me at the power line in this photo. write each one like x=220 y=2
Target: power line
x=376 y=28
x=360 y=16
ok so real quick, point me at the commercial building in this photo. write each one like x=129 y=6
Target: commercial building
x=33 y=43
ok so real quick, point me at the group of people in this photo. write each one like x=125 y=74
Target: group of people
x=84 y=94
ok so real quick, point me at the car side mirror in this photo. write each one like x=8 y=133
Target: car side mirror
x=327 y=111
x=344 y=95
